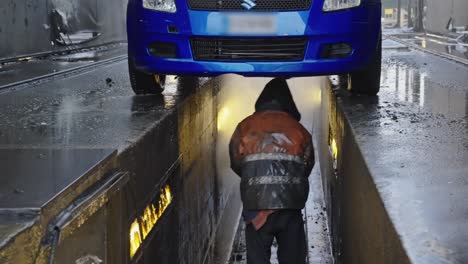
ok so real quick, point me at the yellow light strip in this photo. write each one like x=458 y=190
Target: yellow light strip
x=334 y=149
x=148 y=220
x=135 y=238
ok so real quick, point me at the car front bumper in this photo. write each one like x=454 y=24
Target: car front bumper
x=358 y=27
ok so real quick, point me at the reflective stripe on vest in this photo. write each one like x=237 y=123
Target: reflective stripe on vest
x=263 y=180
x=273 y=157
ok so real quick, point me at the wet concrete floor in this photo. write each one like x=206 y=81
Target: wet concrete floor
x=48 y=172
x=85 y=110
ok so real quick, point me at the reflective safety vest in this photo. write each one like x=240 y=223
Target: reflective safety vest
x=273 y=155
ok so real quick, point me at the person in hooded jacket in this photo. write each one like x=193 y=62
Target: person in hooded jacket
x=273 y=154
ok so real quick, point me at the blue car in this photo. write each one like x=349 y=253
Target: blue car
x=288 y=38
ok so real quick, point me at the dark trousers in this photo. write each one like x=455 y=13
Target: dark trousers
x=287 y=227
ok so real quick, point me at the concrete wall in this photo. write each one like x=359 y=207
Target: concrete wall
x=168 y=140
x=180 y=151
x=26 y=28
x=362 y=232
x=439 y=12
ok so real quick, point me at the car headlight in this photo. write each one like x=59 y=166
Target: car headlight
x=160 y=5
x=332 y=5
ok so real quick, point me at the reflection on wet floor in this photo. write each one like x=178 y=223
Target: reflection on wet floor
x=456 y=49
x=391 y=44
x=413 y=85
x=82 y=56
x=236 y=101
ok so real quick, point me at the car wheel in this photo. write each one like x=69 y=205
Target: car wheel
x=143 y=83
x=367 y=81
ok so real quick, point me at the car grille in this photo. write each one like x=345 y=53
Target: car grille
x=248 y=49
x=260 y=5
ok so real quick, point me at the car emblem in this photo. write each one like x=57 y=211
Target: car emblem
x=248 y=4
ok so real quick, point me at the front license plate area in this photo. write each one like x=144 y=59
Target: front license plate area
x=253 y=24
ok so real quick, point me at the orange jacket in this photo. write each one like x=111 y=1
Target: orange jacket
x=273 y=154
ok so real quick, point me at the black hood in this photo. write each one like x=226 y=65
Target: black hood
x=277 y=96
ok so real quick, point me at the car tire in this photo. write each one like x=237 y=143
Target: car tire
x=367 y=81
x=144 y=83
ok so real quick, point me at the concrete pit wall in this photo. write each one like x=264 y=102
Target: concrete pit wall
x=362 y=232
x=179 y=151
